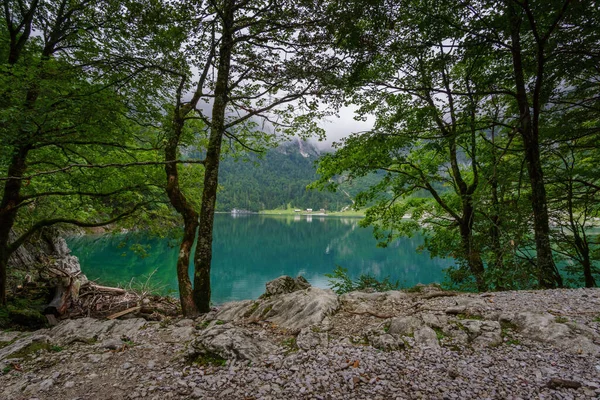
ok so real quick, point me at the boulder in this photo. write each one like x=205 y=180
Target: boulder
x=230 y=342
x=292 y=311
x=231 y=311
x=22 y=345
x=129 y=328
x=426 y=338
x=483 y=333
x=435 y=321
x=285 y=284
x=359 y=297
x=404 y=325
x=300 y=309
x=89 y=330
x=82 y=330
x=385 y=342
x=543 y=327
x=310 y=338
x=395 y=296
x=468 y=305
x=180 y=334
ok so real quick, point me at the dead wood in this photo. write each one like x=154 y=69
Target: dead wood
x=433 y=295
x=124 y=312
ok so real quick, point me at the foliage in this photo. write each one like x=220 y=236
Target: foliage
x=341 y=283
x=209 y=359
x=76 y=144
x=278 y=179
x=478 y=121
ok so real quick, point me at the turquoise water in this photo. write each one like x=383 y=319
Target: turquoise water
x=254 y=249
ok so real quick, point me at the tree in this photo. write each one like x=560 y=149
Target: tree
x=422 y=87
x=71 y=110
x=510 y=73
x=280 y=92
x=574 y=201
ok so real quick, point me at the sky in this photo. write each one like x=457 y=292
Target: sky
x=338 y=128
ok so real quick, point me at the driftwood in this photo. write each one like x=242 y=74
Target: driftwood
x=106 y=289
x=60 y=303
x=52 y=319
x=556 y=383
x=433 y=295
x=124 y=312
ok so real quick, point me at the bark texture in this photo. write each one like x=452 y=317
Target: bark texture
x=548 y=275
x=203 y=254
x=186 y=210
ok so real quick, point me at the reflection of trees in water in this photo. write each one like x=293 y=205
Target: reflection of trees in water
x=250 y=251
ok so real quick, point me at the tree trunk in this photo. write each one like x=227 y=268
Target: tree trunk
x=8 y=211
x=190 y=225
x=183 y=264
x=583 y=250
x=186 y=210
x=203 y=255
x=3 y=273
x=495 y=242
x=472 y=256
x=590 y=282
x=548 y=275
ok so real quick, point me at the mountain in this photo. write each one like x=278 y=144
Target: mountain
x=278 y=179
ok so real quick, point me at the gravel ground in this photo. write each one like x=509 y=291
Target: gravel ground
x=152 y=363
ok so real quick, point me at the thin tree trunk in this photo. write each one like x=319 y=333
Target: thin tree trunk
x=190 y=223
x=548 y=275
x=183 y=264
x=472 y=255
x=495 y=243
x=184 y=208
x=3 y=272
x=203 y=254
x=590 y=282
x=8 y=211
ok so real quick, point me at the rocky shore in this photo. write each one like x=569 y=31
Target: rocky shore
x=300 y=342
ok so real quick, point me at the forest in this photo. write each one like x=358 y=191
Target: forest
x=485 y=135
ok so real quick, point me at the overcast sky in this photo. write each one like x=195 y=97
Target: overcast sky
x=338 y=128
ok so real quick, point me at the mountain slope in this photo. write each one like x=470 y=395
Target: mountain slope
x=276 y=180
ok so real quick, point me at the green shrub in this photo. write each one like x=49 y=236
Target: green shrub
x=341 y=283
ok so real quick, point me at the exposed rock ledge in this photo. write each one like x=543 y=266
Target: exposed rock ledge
x=303 y=342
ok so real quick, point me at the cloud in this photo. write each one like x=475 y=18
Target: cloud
x=342 y=126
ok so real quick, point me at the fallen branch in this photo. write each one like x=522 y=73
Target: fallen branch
x=433 y=295
x=556 y=383
x=124 y=312
x=107 y=289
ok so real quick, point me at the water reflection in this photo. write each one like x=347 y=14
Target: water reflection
x=250 y=251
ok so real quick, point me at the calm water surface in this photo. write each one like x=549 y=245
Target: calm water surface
x=252 y=250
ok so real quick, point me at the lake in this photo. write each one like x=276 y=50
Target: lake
x=250 y=250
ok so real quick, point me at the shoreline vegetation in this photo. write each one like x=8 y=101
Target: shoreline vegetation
x=347 y=213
